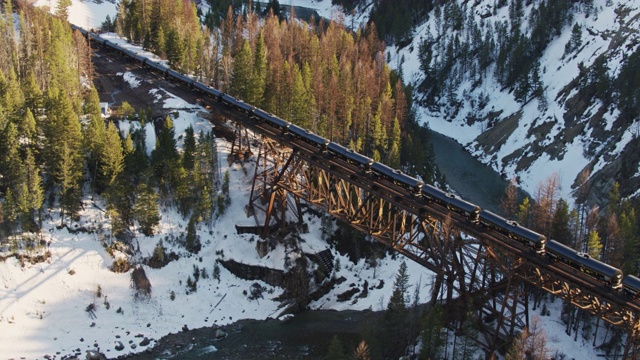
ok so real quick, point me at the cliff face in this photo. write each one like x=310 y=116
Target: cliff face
x=534 y=89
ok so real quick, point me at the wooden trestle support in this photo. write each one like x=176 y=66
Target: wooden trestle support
x=470 y=267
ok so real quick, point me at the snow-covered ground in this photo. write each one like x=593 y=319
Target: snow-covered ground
x=43 y=306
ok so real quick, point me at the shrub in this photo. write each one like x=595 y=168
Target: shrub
x=121 y=265
x=256 y=291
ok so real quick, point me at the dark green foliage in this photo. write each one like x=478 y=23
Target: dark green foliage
x=560 y=224
x=336 y=349
x=256 y=291
x=242 y=72
x=433 y=333
x=145 y=209
x=417 y=151
x=274 y=7
x=165 y=158
x=192 y=286
x=395 y=320
x=158 y=253
x=628 y=86
x=395 y=19
x=466 y=345
x=216 y=271
x=189 y=149
x=192 y=243
x=576 y=39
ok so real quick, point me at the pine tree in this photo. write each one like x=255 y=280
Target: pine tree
x=68 y=176
x=111 y=156
x=189 y=149
x=594 y=245
x=225 y=189
x=174 y=48
x=146 y=210
x=336 y=349
x=164 y=158
x=158 y=252
x=242 y=74
x=466 y=348
x=10 y=214
x=29 y=127
x=32 y=93
x=432 y=334
x=524 y=212
x=259 y=78
x=11 y=161
x=395 y=142
x=92 y=103
x=192 y=243
x=35 y=190
x=299 y=105
x=560 y=229
x=631 y=244
x=395 y=317
x=613 y=252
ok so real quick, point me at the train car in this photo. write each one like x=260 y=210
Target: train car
x=397 y=177
x=261 y=115
x=204 y=89
x=207 y=90
x=244 y=107
x=82 y=31
x=96 y=38
x=214 y=93
x=350 y=156
x=228 y=100
x=489 y=220
x=601 y=270
x=561 y=252
x=309 y=137
x=139 y=58
x=128 y=53
x=278 y=123
x=111 y=46
x=451 y=202
x=183 y=79
x=584 y=263
x=631 y=286
x=157 y=67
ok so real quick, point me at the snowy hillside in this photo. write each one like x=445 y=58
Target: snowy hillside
x=562 y=131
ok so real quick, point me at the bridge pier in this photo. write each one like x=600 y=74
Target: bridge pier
x=275 y=165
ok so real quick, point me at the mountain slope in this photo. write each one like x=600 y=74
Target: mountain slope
x=575 y=114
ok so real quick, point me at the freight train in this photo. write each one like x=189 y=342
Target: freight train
x=628 y=285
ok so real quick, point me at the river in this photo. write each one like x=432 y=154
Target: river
x=305 y=336
x=471 y=179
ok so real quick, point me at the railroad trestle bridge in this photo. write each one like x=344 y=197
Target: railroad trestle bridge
x=471 y=265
